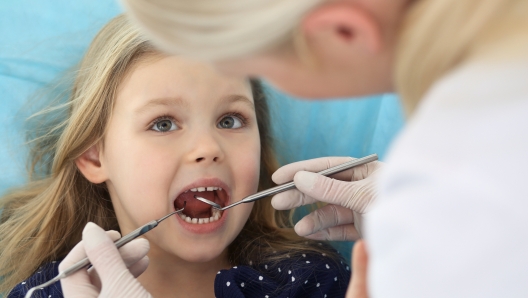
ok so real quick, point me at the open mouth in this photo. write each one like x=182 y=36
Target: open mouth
x=197 y=212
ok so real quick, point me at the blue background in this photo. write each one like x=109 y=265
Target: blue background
x=41 y=39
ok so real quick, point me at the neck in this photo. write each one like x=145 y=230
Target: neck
x=170 y=276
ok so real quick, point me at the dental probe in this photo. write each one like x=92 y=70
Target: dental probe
x=120 y=242
x=290 y=185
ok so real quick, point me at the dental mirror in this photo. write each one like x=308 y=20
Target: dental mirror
x=290 y=185
x=213 y=204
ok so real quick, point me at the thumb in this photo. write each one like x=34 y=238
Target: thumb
x=358 y=285
x=343 y=193
x=102 y=252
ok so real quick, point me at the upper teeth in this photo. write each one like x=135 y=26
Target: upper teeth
x=204 y=188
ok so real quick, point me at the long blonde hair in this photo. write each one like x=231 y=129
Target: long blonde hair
x=219 y=29
x=439 y=35
x=43 y=220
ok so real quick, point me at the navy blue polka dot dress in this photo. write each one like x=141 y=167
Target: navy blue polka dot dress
x=306 y=275
x=42 y=275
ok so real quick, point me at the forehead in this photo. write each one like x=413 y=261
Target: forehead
x=176 y=77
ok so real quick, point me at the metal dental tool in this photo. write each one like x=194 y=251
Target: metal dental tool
x=290 y=185
x=120 y=242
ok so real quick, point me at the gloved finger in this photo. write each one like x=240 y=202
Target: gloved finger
x=346 y=232
x=286 y=173
x=116 y=279
x=313 y=188
x=78 y=253
x=132 y=252
x=326 y=217
x=139 y=267
x=291 y=199
x=358 y=283
x=102 y=252
x=355 y=195
x=80 y=282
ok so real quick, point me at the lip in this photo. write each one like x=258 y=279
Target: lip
x=209 y=227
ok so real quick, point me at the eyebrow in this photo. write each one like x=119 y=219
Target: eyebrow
x=164 y=101
x=238 y=98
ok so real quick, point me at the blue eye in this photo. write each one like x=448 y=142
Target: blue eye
x=230 y=122
x=164 y=125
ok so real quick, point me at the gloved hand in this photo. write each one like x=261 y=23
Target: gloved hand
x=115 y=271
x=348 y=194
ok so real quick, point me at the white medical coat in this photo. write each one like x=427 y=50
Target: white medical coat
x=452 y=216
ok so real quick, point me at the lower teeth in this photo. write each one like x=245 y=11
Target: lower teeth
x=216 y=214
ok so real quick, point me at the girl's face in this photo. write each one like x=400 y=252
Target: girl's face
x=181 y=129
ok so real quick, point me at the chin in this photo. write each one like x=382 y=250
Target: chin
x=201 y=255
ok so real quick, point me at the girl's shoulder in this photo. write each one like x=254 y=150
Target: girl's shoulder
x=302 y=275
x=42 y=275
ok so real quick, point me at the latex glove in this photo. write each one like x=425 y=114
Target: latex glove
x=358 y=283
x=348 y=195
x=115 y=271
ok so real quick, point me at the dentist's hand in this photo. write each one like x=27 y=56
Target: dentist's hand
x=357 y=287
x=348 y=194
x=115 y=270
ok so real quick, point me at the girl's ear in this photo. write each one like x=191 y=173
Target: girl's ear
x=89 y=164
x=343 y=25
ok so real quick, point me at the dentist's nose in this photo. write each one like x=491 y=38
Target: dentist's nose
x=206 y=149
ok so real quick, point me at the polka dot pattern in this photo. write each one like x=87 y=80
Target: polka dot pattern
x=303 y=275
x=311 y=275
x=43 y=274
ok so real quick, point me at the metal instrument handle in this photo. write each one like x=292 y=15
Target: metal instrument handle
x=331 y=171
x=120 y=242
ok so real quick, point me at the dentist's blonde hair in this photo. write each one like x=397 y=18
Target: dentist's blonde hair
x=439 y=35
x=436 y=36
x=219 y=29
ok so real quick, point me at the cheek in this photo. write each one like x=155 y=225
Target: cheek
x=243 y=215
x=248 y=168
x=139 y=176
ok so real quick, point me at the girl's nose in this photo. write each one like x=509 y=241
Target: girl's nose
x=206 y=149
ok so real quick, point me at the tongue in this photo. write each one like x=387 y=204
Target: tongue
x=193 y=207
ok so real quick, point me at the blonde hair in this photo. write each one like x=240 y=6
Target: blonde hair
x=436 y=36
x=219 y=29
x=439 y=35
x=43 y=220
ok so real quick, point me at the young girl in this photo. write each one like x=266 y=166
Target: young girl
x=144 y=133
